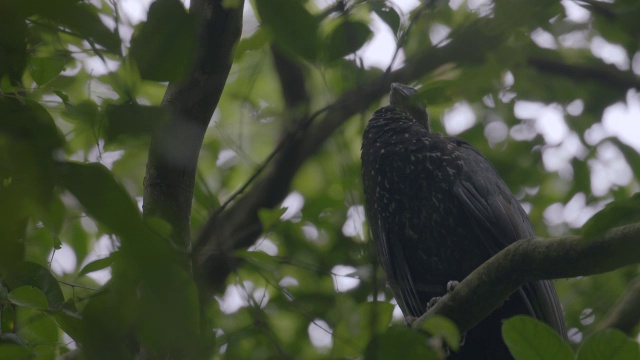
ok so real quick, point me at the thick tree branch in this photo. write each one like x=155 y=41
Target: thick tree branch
x=608 y=75
x=625 y=314
x=487 y=287
x=173 y=155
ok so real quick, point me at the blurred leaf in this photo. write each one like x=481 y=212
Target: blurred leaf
x=97 y=264
x=133 y=120
x=29 y=297
x=388 y=14
x=256 y=41
x=111 y=205
x=44 y=69
x=35 y=275
x=610 y=344
x=347 y=38
x=84 y=113
x=165 y=46
x=399 y=340
x=291 y=26
x=445 y=328
x=357 y=328
x=7 y=319
x=614 y=214
x=69 y=320
x=270 y=217
x=531 y=339
x=14 y=351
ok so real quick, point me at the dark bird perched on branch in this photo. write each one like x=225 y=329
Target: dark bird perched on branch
x=437 y=210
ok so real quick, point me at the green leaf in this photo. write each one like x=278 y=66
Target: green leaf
x=399 y=340
x=69 y=321
x=445 y=328
x=291 y=25
x=103 y=198
x=388 y=14
x=531 y=339
x=133 y=120
x=80 y=17
x=14 y=351
x=614 y=214
x=358 y=326
x=610 y=344
x=165 y=46
x=44 y=69
x=35 y=275
x=7 y=319
x=97 y=265
x=270 y=217
x=347 y=38
x=29 y=297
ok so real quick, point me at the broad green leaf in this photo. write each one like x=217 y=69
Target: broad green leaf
x=400 y=340
x=165 y=46
x=29 y=297
x=35 y=275
x=291 y=25
x=347 y=38
x=531 y=339
x=97 y=265
x=614 y=214
x=69 y=321
x=103 y=198
x=441 y=326
x=610 y=344
x=44 y=69
x=133 y=120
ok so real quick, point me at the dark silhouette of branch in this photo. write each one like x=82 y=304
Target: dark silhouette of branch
x=487 y=287
x=608 y=75
x=625 y=314
x=173 y=155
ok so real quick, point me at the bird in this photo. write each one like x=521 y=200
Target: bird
x=437 y=209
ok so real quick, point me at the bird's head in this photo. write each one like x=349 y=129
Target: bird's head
x=405 y=97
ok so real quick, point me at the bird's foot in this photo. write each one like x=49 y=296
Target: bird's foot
x=433 y=302
x=408 y=320
x=452 y=285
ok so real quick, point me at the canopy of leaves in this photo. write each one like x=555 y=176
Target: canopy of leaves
x=81 y=89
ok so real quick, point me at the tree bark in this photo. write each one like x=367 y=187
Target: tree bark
x=173 y=155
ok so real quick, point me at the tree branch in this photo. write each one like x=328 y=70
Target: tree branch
x=487 y=287
x=607 y=75
x=173 y=155
x=625 y=314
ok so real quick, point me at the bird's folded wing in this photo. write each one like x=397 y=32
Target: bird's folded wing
x=490 y=203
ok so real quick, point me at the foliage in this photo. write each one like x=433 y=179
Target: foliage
x=80 y=94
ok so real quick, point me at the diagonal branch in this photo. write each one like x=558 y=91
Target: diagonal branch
x=607 y=75
x=625 y=314
x=487 y=287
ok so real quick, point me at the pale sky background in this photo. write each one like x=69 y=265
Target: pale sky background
x=621 y=119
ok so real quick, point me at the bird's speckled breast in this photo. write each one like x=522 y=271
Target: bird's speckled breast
x=409 y=174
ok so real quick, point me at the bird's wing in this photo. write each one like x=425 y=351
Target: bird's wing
x=398 y=273
x=489 y=201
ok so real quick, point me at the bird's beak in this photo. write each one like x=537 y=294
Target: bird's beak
x=400 y=93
